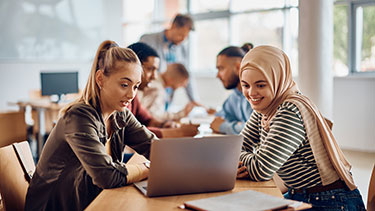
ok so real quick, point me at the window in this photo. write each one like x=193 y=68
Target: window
x=354 y=37
x=269 y=28
x=199 y=6
x=244 y=5
x=147 y=16
x=340 y=41
x=366 y=36
x=213 y=35
x=235 y=22
x=264 y=28
x=218 y=24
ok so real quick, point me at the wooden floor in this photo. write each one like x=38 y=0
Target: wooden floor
x=362 y=164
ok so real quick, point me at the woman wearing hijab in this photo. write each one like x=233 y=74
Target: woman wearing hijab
x=83 y=153
x=286 y=134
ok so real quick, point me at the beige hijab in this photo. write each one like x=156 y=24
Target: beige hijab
x=275 y=66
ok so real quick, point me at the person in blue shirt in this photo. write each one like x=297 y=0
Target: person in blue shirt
x=236 y=110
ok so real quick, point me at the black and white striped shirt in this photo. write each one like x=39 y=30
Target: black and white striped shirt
x=284 y=149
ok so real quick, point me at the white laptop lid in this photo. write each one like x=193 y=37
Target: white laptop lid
x=193 y=165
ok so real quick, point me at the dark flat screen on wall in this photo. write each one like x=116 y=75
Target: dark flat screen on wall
x=58 y=83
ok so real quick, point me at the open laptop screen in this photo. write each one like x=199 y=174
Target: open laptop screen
x=193 y=165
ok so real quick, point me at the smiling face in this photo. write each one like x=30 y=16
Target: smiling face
x=256 y=89
x=227 y=70
x=150 y=68
x=119 y=88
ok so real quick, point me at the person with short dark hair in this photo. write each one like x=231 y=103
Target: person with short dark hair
x=236 y=110
x=183 y=21
x=169 y=43
x=247 y=46
x=150 y=61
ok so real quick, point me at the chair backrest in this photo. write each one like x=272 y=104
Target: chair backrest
x=329 y=122
x=12 y=127
x=371 y=192
x=13 y=180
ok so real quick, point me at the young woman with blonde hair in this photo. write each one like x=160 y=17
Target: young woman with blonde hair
x=83 y=153
x=286 y=134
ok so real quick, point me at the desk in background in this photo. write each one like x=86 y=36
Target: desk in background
x=46 y=115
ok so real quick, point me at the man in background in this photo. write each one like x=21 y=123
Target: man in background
x=236 y=110
x=155 y=97
x=150 y=63
x=171 y=46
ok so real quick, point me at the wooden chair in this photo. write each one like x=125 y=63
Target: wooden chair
x=16 y=168
x=329 y=122
x=371 y=192
x=12 y=127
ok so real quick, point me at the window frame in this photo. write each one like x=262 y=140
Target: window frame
x=158 y=19
x=354 y=50
x=228 y=14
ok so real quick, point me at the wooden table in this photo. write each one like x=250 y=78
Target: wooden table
x=130 y=198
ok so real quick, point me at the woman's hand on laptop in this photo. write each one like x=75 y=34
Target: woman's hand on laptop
x=242 y=171
x=145 y=171
x=216 y=123
x=136 y=172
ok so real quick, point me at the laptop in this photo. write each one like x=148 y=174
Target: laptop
x=192 y=165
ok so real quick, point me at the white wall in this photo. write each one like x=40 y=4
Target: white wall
x=354 y=112
x=57 y=30
x=97 y=21
x=17 y=79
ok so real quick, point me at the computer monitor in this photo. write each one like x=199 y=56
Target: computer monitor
x=59 y=83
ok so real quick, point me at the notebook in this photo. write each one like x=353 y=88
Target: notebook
x=246 y=200
x=192 y=165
